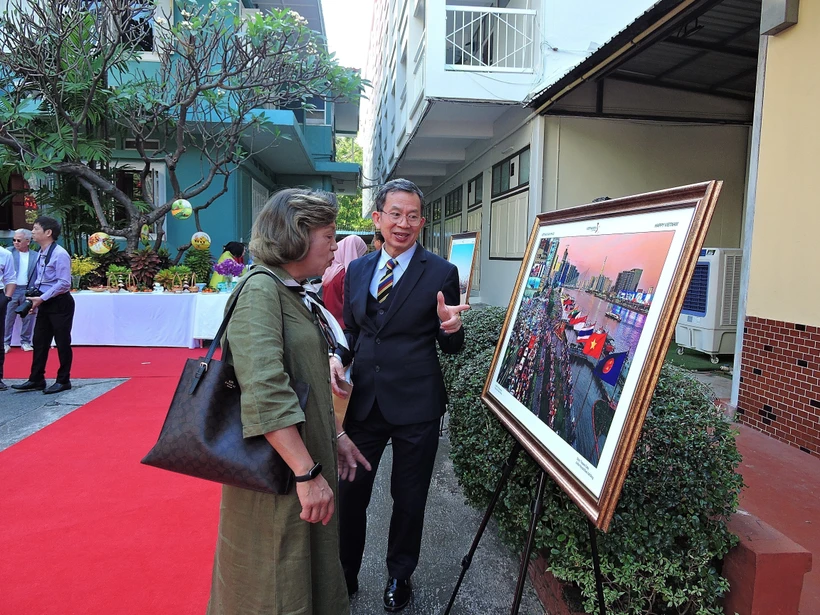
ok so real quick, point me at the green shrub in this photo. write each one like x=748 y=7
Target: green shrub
x=200 y=262
x=662 y=554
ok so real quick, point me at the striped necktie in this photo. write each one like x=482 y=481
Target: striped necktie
x=386 y=283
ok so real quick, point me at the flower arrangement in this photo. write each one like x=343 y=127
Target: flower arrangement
x=229 y=268
x=82 y=265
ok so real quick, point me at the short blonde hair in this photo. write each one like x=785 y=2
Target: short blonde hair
x=281 y=232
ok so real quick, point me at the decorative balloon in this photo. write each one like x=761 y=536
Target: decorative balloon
x=181 y=209
x=200 y=241
x=145 y=232
x=100 y=243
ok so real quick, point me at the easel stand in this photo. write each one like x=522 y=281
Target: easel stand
x=537 y=507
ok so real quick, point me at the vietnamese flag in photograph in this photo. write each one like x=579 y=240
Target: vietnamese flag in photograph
x=609 y=368
x=594 y=346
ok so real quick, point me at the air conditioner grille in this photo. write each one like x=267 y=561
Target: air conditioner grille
x=694 y=302
x=731 y=291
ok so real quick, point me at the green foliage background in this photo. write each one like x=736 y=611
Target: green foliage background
x=662 y=554
x=350 y=206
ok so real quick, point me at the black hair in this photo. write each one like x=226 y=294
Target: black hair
x=237 y=248
x=398 y=185
x=47 y=223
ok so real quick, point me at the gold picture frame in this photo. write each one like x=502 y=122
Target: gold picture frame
x=575 y=395
x=463 y=252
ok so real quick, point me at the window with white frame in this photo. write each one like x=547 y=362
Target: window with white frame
x=259 y=196
x=474 y=224
x=453 y=205
x=512 y=173
x=142 y=24
x=435 y=248
x=128 y=178
x=508 y=226
x=475 y=192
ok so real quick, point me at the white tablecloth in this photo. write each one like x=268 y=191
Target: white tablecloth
x=208 y=314
x=133 y=319
x=143 y=319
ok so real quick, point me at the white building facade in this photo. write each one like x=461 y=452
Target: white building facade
x=500 y=110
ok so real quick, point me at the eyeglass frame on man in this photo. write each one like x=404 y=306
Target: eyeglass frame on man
x=396 y=218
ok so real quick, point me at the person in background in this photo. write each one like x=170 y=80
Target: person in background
x=234 y=250
x=280 y=553
x=378 y=241
x=25 y=264
x=333 y=280
x=9 y=279
x=55 y=308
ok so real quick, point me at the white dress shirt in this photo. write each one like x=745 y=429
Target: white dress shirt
x=402 y=262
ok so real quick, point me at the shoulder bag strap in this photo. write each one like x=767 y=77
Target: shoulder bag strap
x=205 y=361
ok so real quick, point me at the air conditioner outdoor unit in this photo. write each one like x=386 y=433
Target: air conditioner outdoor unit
x=708 y=319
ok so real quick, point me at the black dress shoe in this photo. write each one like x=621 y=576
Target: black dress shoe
x=3 y=386
x=28 y=385
x=57 y=387
x=397 y=594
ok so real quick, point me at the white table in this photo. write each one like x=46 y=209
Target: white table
x=208 y=311
x=143 y=319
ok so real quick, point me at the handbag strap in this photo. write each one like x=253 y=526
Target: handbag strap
x=206 y=360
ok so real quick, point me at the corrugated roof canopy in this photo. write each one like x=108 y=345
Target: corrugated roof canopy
x=710 y=48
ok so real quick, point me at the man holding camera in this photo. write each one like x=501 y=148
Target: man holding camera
x=50 y=295
x=9 y=278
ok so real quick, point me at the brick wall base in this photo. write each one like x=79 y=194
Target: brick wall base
x=780 y=381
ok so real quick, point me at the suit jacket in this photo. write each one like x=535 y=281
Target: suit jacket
x=32 y=262
x=396 y=364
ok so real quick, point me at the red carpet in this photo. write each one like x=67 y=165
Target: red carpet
x=84 y=527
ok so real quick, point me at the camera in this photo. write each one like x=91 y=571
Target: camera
x=24 y=309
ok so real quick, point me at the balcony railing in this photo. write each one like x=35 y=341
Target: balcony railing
x=490 y=39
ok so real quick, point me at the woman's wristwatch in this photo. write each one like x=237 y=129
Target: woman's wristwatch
x=311 y=474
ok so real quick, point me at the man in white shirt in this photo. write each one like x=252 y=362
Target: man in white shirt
x=25 y=263
x=9 y=279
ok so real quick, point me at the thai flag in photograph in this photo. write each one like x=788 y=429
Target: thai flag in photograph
x=583 y=334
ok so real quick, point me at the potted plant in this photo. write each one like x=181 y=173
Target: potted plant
x=165 y=278
x=119 y=277
x=182 y=277
x=81 y=266
x=145 y=264
x=229 y=268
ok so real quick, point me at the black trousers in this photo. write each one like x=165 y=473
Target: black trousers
x=54 y=320
x=3 y=306
x=414 y=453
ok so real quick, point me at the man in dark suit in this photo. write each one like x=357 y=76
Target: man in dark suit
x=399 y=302
x=21 y=255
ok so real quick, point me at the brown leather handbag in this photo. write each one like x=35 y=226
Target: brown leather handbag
x=202 y=433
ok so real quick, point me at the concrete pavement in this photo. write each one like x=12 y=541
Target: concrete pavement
x=449 y=528
x=23 y=413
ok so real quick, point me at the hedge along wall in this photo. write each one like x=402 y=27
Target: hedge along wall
x=663 y=552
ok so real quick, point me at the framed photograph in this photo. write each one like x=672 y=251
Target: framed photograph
x=462 y=254
x=589 y=323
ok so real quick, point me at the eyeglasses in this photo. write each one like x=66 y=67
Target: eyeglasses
x=18 y=240
x=395 y=217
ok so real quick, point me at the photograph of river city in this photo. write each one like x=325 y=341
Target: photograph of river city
x=580 y=318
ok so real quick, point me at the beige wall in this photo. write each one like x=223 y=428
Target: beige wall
x=587 y=158
x=783 y=282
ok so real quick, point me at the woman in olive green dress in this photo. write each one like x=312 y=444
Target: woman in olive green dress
x=279 y=554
